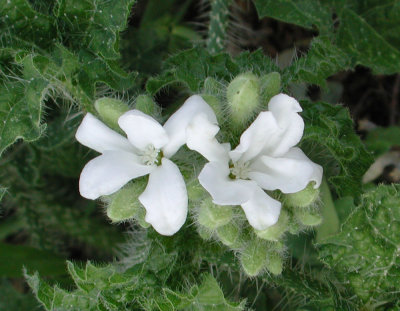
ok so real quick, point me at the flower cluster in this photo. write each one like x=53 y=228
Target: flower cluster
x=265 y=159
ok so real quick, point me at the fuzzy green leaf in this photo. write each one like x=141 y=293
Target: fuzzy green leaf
x=305 y=13
x=380 y=140
x=366 y=251
x=329 y=139
x=192 y=67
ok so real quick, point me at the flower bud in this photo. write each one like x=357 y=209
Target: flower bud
x=213 y=216
x=308 y=217
x=243 y=94
x=273 y=233
x=124 y=204
x=229 y=235
x=253 y=258
x=110 y=109
x=146 y=104
x=270 y=86
x=303 y=198
x=204 y=233
x=274 y=263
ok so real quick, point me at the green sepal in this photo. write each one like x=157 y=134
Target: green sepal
x=229 y=235
x=110 y=109
x=303 y=198
x=275 y=232
x=270 y=86
x=274 y=263
x=124 y=204
x=146 y=104
x=253 y=257
x=213 y=216
x=243 y=95
x=308 y=217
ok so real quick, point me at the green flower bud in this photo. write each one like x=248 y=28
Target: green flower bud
x=308 y=217
x=124 y=204
x=215 y=104
x=204 y=233
x=229 y=235
x=146 y=104
x=253 y=258
x=274 y=263
x=110 y=109
x=270 y=86
x=274 y=232
x=303 y=198
x=213 y=216
x=243 y=94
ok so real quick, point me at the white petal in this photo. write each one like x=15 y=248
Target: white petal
x=109 y=172
x=254 y=139
x=96 y=135
x=214 y=177
x=291 y=126
x=165 y=199
x=142 y=130
x=261 y=210
x=290 y=173
x=177 y=123
x=201 y=138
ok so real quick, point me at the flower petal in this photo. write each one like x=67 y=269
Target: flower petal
x=253 y=140
x=290 y=173
x=96 y=135
x=291 y=125
x=142 y=130
x=214 y=177
x=110 y=171
x=177 y=123
x=201 y=138
x=261 y=210
x=165 y=199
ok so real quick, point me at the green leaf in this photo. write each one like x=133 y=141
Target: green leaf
x=380 y=140
x=12 y=300
x=207 y=296
x=307 y=14
x=361 y=41
x=322 y=61
x=14 y=257
x=329 y=139
x=365 y=254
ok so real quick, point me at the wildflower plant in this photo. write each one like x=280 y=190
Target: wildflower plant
x=149 y=169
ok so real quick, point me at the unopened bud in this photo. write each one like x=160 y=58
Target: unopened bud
x=273 y=233
x=124 y=204
x=243 y=94
x=146 y=104
x=270 y=86
x=213 y=216
x=110 y=109
x=274 y=263
x=303 y=198
x=253 y=258
x=308 y=217
x=229 y=235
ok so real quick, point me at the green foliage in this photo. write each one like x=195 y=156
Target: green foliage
x=330 y=140
x=365 y=252
x=12 y=300
x=13 y=259
x=138 y=282
x=380 y=140
x=68 y=51
x=361 y=32
x=219 y=21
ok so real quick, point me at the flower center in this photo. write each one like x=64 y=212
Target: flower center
x=239 y=170
x=150 y=155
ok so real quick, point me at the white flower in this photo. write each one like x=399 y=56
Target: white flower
x=146 y=150
x=265 y=159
